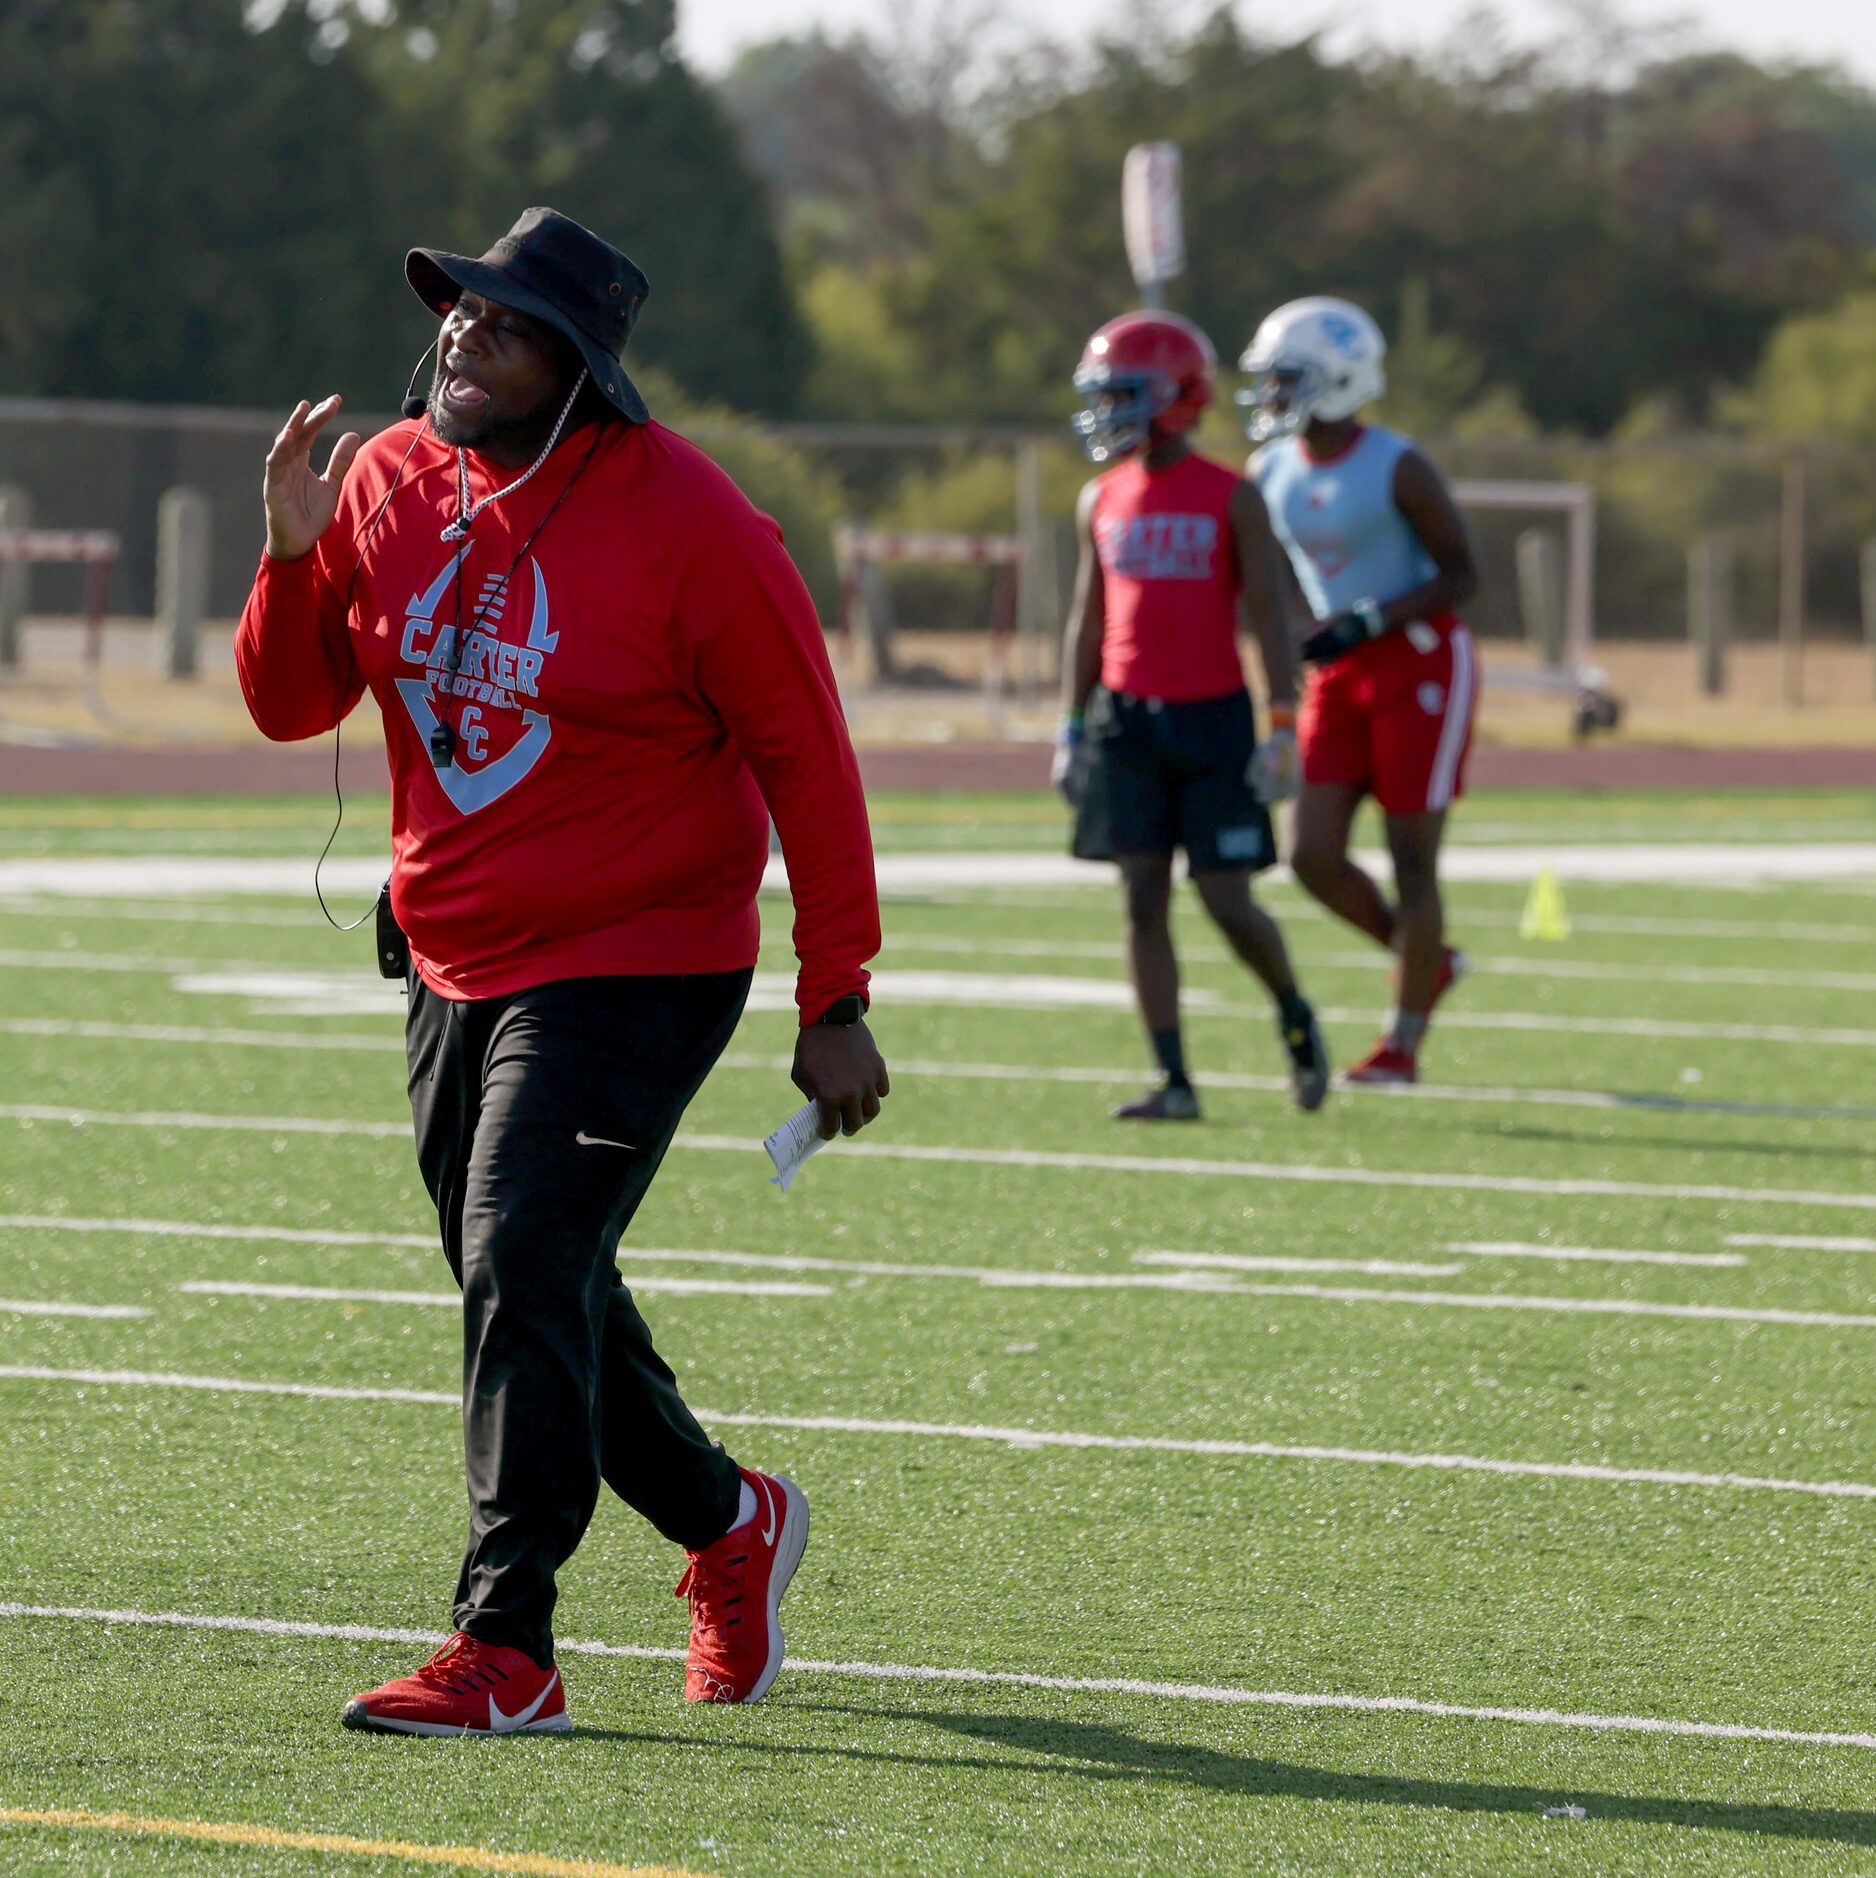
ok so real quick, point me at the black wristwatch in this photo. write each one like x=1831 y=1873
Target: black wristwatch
x=843 y=1011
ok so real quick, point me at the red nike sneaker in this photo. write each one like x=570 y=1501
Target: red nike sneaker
x=735 y=1588
x=467 y=1688
x=1385 y=1064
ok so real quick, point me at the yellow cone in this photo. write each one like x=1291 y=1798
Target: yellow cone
x=1544 y=915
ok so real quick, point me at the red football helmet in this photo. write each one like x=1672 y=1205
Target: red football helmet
x=1141 y=376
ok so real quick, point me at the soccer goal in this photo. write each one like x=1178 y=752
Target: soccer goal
x=1576 y=674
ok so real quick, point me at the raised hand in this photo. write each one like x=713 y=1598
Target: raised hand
x=300 y=504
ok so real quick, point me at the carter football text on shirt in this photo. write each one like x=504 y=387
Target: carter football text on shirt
x=492 y=670
x=1159 y=547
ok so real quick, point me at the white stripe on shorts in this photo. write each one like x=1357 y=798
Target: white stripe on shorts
x=1460 y=692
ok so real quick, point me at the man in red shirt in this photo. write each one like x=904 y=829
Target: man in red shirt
x=1158 y=748
x=599 y=674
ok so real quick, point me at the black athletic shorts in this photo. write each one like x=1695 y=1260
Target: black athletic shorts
x=1164 y=775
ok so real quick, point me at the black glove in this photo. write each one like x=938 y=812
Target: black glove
x=1338 y=637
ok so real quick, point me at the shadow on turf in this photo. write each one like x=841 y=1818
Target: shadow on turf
x=1095 y=1751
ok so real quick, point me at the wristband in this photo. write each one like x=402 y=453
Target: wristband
x=1283 y=717
x=1371 y=616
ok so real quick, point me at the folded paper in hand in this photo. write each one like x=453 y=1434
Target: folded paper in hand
x=792 y=1143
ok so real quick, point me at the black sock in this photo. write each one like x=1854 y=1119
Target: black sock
x=1171 y=1051
x=1294 y=1009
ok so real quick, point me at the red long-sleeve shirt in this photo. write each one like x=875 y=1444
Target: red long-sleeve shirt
x=649 y=674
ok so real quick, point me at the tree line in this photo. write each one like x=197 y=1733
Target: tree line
x=208 y=202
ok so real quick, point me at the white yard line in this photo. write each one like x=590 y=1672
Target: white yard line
x=189 y=877
x=1248 y=1262
x=1199 y=1692
x=1318 y=1176
x=643 y=1255
x=300 y=993
x=1588 y=1254
x=1675 y=1029
x=60 y=960
x=1303 y=1173
x=237 y=1385
x=1574 y=1307
x=168 y=913
x=1801 y=1242
x=1503 y=965
x=334 y=1294
x=197 y=1033
x=297 y=993
x=1490 y=1094
x=43 y=1307
x=190 y=1119
x=1114 y=1076
x=131 y=1228
x=1232 y=1261
x=1647 y=863
x=1751 y=977
x=1024 y=1440
x=1644 y=926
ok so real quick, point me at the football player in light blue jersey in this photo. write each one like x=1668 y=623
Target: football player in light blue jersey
x=1382 y=562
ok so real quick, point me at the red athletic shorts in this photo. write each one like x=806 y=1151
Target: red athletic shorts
x=1395 y=716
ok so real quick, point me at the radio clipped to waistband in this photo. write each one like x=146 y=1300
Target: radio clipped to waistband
x=393 y=947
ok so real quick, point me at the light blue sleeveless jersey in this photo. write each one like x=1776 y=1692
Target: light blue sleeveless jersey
x=1338 y=523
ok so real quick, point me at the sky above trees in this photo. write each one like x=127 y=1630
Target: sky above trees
x=1579 y=237
x=1831 y=32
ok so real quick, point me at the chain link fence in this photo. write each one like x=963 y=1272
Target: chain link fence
x=85 y=465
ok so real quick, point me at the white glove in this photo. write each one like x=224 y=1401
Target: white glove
x=1273 y=771
x=1068 y=769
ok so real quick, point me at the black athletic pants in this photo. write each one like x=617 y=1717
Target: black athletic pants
x=541 y=1118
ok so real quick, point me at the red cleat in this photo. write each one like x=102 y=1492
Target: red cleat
x=735 y=1589
x=1385 y=1064
x=467 y=1688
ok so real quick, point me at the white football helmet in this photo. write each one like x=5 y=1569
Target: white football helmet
x=1311 y=358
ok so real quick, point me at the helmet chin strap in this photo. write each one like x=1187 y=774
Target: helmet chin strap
x=467 y=511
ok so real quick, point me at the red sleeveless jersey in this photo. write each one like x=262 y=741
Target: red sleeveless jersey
x=1169 y=571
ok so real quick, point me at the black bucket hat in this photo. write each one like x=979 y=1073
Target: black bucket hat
x=550 y=267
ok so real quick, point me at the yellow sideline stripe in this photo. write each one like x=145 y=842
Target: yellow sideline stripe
x=466 y=1857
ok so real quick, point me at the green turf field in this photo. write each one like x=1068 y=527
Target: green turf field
x=1126 y=1557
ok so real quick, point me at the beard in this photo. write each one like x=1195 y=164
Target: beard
x=522 y=431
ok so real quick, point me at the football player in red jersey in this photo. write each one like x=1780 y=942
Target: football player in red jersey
x=1382 y=561
x=1157 y=748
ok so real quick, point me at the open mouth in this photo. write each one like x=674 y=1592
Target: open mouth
x=462 y=395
